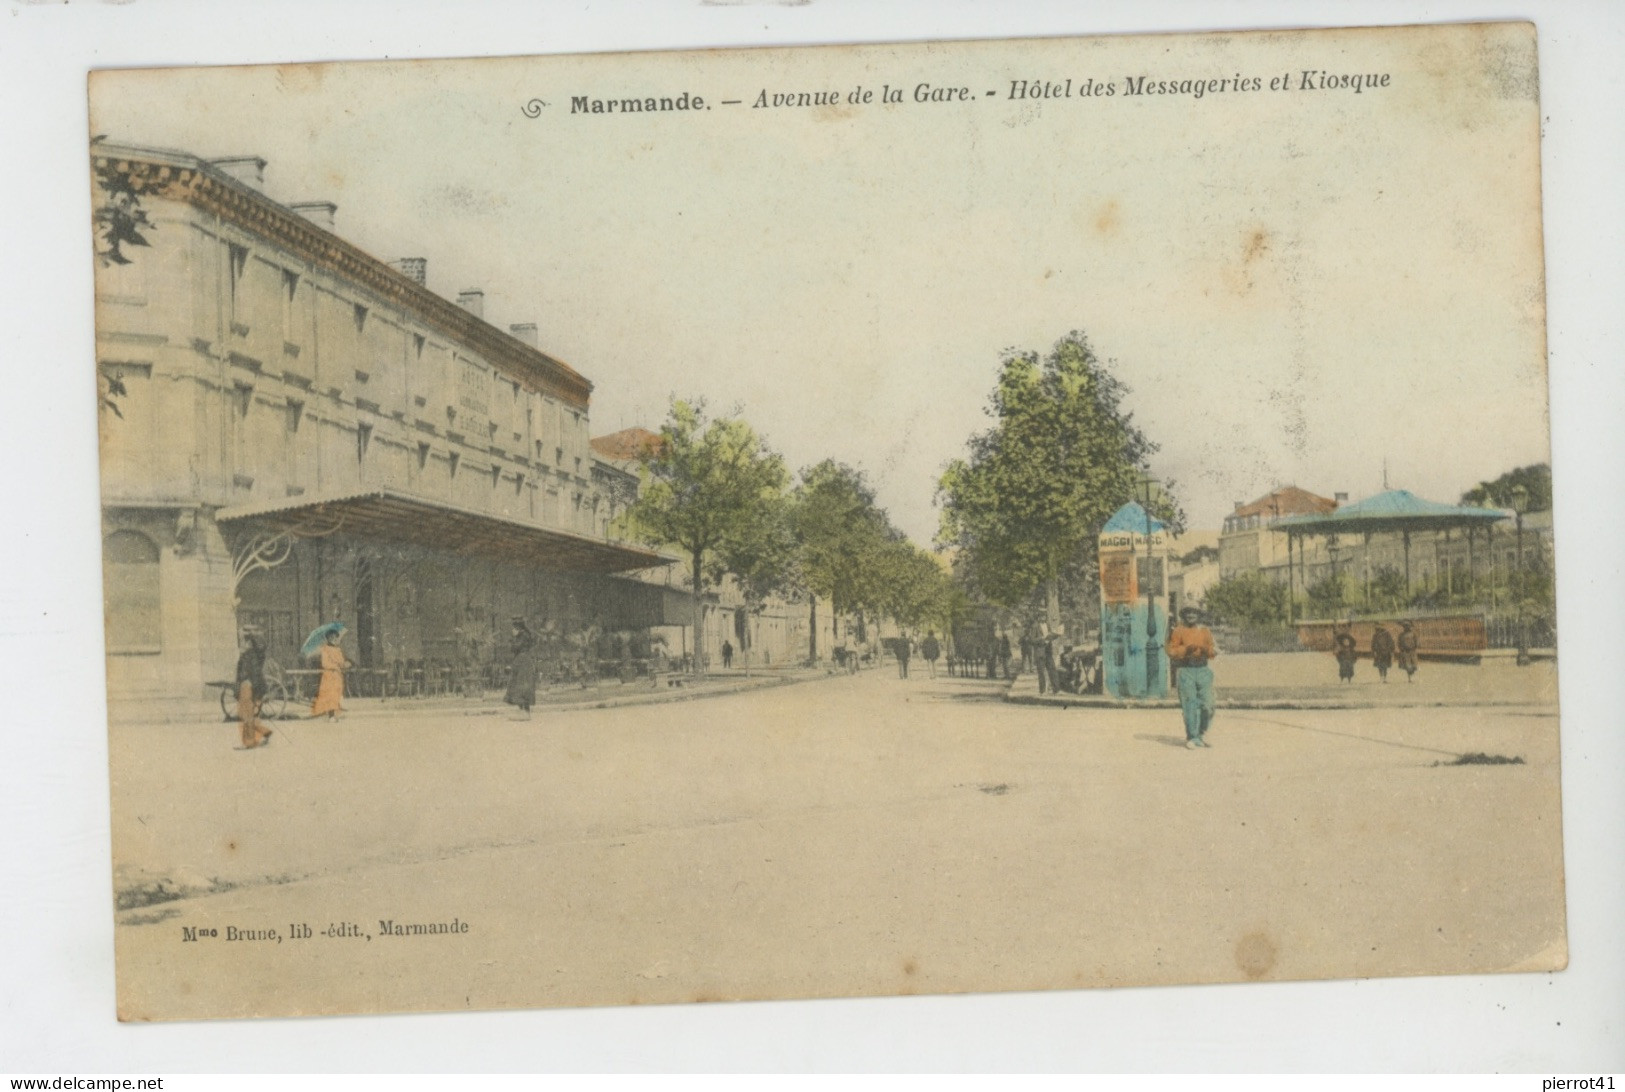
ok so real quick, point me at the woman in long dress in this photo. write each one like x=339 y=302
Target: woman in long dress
x=522 y=681
x=1382 y=650
x=330 y=690
x=1343 y=649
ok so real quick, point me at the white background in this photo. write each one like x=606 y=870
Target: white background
x=56 y=970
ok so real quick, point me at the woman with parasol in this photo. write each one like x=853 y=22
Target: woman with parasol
x=324 y=641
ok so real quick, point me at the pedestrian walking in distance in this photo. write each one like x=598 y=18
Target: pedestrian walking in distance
x=727 y=654
x=522 y=673
x=1407 y=650
x=1382 y=650
x=1190 y=647
x=251 y=691
x=1044 y=658
x=1004 y=655
x=903 y=651
x=931 y=649
x=1343 y=649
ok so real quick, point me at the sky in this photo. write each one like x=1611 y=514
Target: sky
x=1303 y=286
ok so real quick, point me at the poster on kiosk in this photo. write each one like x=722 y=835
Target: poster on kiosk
x=1134 y=549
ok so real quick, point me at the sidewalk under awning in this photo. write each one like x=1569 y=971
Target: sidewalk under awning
x=389 y=515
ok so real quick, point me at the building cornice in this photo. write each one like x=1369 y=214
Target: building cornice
x=181 y=177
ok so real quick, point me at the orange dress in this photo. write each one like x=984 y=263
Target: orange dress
x=330 y=691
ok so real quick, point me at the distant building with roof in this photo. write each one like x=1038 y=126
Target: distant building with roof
x=1250 y=542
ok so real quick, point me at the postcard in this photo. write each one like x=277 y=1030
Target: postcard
x=825 y=522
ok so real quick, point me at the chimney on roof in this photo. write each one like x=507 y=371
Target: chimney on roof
x=1239 y=505
x=472 y=300
x=415 y=268
x=319 y=213
x=247 y=169
x=1340 y=498
x=526 y=332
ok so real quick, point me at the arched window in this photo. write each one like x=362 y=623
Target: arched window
x=130 y=579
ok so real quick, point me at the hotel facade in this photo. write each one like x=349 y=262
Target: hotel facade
x=294 y=432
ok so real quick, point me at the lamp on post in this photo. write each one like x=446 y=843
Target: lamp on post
x=1332 y=549
x=1520 y=505
x=1146 y=487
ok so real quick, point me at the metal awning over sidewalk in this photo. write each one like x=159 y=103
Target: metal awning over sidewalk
x=401 y=517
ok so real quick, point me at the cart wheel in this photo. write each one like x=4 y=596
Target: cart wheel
x=228 y=704
x=276 y=701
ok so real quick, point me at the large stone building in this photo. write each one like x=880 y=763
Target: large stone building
x=298 y=432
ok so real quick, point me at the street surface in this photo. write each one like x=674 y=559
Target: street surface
x=846 y=835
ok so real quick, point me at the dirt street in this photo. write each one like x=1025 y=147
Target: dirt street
x=850 y=835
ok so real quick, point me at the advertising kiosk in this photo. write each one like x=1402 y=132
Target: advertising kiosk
x=1134 y=552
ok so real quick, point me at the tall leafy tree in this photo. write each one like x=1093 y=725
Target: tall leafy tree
x=918 y=591
x=715 y=490
x=841 y=534
x=1062 y=456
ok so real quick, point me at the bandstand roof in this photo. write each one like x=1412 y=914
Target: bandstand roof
x=394 y=516
x=1395 y=510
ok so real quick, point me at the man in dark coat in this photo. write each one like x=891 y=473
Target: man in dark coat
x=1382 y=650
x=251 y=691
x=931 y=649
x=1044 y=656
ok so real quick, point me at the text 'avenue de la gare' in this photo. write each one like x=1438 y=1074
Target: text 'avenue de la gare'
x=1307 y=79
x=300 y=930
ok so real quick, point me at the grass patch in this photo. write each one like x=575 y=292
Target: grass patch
x=1479 y=758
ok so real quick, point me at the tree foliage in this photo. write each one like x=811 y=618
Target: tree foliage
x=120 y=220
x=842 y=535
x=1061 y=457
x=1247 y=599
x=1535 y=478
x=715 y=490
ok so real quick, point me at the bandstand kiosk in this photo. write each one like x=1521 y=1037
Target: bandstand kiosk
x=1134 y=553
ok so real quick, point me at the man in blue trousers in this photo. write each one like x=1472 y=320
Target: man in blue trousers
x=1190 y=647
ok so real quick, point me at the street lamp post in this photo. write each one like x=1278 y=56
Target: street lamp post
x=1520 y=505
x=1333 y=547
x=1147 y=483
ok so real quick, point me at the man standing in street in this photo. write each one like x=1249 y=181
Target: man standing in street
x=1190 y=647
x=251 y=690
x=931 y=648
x=1044 y=657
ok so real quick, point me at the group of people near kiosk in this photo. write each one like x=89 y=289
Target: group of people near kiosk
x=1385 y=649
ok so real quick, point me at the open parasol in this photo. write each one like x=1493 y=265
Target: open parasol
x=318 y=637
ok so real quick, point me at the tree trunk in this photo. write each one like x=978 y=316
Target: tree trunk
x=699 y=620
x=1052 y=600
x=812 y=630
